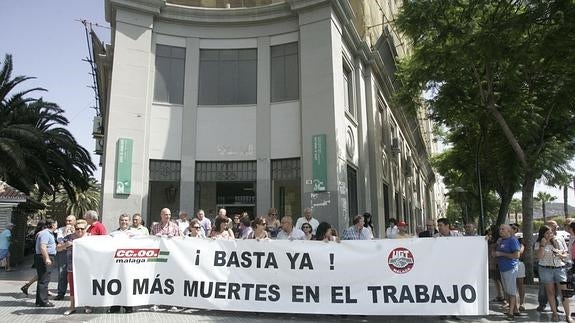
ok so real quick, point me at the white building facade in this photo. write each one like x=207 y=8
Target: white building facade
x=282 y=104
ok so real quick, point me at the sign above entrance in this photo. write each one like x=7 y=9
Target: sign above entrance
x=319 y=163
x=124 y=148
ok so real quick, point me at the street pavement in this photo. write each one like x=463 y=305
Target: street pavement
x=15 y=307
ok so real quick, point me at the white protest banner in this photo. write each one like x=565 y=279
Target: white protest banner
x=432 y=276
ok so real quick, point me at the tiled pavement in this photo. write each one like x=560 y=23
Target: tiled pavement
x=15 y=307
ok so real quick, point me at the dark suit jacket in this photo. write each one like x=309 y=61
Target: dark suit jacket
x=426 y=234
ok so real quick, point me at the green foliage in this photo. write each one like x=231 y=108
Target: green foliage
x=499 y=70
x=85 y=200
x=35 y=149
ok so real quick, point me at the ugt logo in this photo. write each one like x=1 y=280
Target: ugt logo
x=400 y=260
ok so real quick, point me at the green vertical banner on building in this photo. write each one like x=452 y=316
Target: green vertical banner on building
x=319 y=163
x=124 y=148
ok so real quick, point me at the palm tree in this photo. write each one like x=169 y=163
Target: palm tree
x=544 y=198
x=515 y=207
x=85 y=200
x=35 y=149
x=60 y=205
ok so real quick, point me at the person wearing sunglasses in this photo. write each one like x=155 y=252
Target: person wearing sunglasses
x=259 y=226
x=273 y=223
x=66 y=245
x=195 y=229
x=307 y=229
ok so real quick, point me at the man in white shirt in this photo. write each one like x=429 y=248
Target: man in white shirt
x=307 y=218
x=124 y=229
x=183 y=222
x=205 y=222
x=137 y=225
x=288 y=232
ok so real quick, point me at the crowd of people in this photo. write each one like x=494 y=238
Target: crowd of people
x=554 y=254
x=53 y=248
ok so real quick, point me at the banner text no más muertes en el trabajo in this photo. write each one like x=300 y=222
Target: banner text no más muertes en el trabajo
x=436 y=276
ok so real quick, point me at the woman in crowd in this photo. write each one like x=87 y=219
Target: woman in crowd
x=552 y=272
x=194 y=230
x=368 y=222
x=68 y=242
x=325 y=232
x=307 y=229
x=273 y=223
x=235 y=226
x=259 y=227
x=221 y=229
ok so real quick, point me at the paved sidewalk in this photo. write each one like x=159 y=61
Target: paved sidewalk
x=15 y=307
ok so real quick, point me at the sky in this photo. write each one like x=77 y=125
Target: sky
x=47 y=42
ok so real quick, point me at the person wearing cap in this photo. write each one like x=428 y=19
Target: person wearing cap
x=402 y=231
x=5 y=239
x=357 y=231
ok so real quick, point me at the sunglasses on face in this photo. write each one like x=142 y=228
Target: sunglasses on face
x=78 y=228
x=197 y=227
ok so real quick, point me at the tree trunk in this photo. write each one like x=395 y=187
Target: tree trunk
x=527 y=227
x=543 y=211
x=565 y=198
x=506 y=198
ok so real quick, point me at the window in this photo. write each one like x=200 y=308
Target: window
x=170 y=71
x=352 y=191
x=228 y=76
x=383 y=122
x=348 y=89
x=286 y=189
x=284 y=72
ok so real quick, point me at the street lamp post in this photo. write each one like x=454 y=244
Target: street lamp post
x=479 y=186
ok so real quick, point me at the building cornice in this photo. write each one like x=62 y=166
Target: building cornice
x=147 y=6
x=185 y=14
x=162 y=10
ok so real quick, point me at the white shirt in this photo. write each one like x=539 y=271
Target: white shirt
x=128 y=233
x=391 y=232
x=295 y=234
x=183 y=224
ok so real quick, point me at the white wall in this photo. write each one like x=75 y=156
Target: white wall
x=166 y=132
x=226 y=133
x=285 y=130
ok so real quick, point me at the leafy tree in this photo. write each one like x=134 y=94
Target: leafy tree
x=503 y=62
x=35 y=149
x=544 y=198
